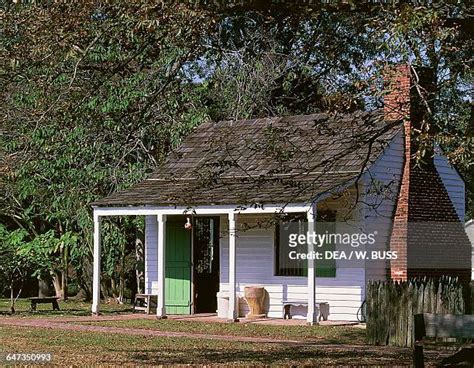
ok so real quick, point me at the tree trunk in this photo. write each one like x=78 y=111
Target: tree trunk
x=64 y=272
x=121 y=275
x=64 y=284
x=139 y=256
x=121 y=289
x=63 y=266
x=113 y=287
x=84 y=279
x=44 y=289
x=12 y=299
x=104 y=288
x=57 y=284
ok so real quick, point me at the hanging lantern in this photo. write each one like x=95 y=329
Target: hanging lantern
x=188 y=225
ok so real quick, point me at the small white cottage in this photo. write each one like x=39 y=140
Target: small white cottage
x=214 y=211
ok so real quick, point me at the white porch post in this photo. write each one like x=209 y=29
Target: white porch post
x=96 y=268
x=160 y=308
x=312 y=317
x=232 y=315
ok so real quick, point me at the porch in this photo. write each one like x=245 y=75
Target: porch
x=228 y=217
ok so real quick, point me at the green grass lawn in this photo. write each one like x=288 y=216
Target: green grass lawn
x=91 y=348
x=70 y=307
x=318 y=334
x=81 y=348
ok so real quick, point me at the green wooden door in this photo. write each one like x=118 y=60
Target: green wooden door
x=178 y=269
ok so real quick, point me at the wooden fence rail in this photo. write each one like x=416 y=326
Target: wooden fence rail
x=392 y=305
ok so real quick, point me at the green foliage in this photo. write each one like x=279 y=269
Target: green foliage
x=102 y=106
x=95 y=95
x=44 y=250
x=13 y=266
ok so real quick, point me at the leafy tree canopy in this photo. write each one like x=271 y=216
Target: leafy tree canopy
x=96 y=94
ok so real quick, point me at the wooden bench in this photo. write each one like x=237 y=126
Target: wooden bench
x=45 y=300
x=447 y=326
x=145 y=299
x=323 y=308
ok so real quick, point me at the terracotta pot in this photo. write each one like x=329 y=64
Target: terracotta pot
x=255 y=297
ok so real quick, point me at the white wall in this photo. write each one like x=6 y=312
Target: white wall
x=255 y=266
x=151 y=254
x=470 y=233
x=255 y=262
x=382 y=184
x=453 y=183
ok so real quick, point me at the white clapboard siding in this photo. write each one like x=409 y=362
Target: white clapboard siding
x=255 y=266
x=453 y=183
x=378 y=213
x=151 y=254
x=469 y=227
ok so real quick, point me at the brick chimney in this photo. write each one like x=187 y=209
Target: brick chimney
x=423 y=199
x=410 y=99
x=397 y=107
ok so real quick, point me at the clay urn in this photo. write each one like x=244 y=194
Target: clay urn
x=255 y=297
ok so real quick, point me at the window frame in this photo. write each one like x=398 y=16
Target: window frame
x=322 y=217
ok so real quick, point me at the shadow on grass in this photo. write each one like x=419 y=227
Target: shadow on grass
x=281 y=355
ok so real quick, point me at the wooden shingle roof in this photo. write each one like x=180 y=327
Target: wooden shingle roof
x=261 y=161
